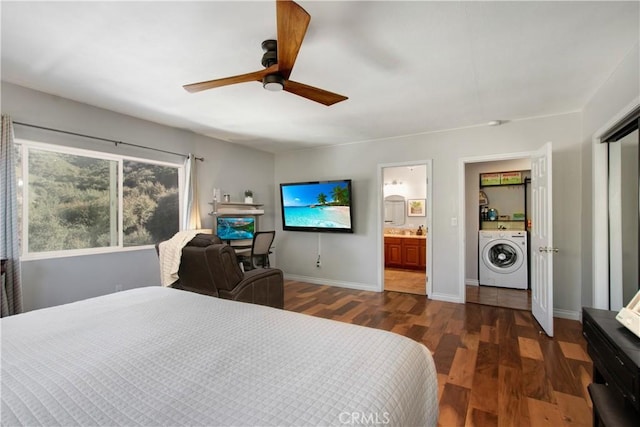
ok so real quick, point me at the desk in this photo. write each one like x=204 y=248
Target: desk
x=615 y=352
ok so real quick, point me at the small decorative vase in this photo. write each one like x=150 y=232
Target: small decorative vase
x=248 y=199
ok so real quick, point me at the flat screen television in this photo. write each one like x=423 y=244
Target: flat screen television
x=324 y=206
x=235 y=228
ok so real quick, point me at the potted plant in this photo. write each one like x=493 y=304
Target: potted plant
x=248 y=196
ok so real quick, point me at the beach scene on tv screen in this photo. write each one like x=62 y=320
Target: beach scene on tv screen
x=320 y=205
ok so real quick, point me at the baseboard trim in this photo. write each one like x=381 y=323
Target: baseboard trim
x=563 y=314
x=362 y=287
x=567 y=314
x=329 y=282
x=446 y=298
x=472 y=282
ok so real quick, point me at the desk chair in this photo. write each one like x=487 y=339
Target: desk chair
x=260 y=246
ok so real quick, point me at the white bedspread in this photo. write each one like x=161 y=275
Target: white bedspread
x=160 y=356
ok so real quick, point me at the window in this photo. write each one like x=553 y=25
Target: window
x=78 y=201
x=150 y=203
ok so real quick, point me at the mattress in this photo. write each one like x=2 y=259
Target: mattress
x=161 y=356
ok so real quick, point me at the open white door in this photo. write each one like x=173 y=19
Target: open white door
x=542 y=249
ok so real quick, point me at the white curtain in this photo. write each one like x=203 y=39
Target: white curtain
x=9 y=239
x=190 y=210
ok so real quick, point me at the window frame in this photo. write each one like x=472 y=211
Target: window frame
x=63 y=149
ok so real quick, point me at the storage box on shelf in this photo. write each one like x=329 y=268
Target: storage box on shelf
x=494 y=186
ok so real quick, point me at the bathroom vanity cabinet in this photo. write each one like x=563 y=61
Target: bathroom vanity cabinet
x=405 y=251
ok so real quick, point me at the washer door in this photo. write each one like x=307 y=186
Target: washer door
x=502 y=256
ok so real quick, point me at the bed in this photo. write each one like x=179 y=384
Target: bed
x=161 y=356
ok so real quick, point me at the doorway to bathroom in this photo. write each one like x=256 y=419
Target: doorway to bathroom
x=405 y=224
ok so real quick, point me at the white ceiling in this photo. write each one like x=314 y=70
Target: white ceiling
x=407 y=67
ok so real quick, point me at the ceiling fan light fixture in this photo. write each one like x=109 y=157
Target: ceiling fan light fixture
x=273 y=82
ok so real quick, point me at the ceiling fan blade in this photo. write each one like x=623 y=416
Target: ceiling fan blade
x=293 y=21
x=242 y=78
x=313 y=93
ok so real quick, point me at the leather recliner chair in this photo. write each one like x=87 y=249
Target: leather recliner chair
x=213 y=269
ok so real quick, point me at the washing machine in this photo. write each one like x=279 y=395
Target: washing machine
x=503 y=258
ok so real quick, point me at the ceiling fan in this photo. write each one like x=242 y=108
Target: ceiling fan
x=278 y=59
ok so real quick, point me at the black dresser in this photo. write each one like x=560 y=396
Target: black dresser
x=615 y=352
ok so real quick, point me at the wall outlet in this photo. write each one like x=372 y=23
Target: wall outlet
x=119 y=287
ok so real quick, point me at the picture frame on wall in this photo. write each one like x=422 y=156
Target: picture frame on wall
x=416 y=207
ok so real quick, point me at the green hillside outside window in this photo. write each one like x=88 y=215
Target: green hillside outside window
x=71 y=202
x=84 y=201
x=150 y=203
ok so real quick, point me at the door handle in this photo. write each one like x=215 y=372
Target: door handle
x=548 y=249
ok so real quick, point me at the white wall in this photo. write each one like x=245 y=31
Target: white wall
x=411 y=183
x=230 y=167
x=618 y=93
x=348 y=260
x=472 y=185
x=351 y=260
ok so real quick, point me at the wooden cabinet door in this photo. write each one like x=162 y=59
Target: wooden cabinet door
x=411 y=253
x=393 y=252
x=423 y=253
x=386 y=253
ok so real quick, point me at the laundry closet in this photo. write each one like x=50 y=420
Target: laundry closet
x=503 y=243
x=498 y=220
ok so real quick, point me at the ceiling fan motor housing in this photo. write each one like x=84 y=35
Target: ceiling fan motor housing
x=270 y=56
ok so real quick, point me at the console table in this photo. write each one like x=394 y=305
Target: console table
x=615 y=351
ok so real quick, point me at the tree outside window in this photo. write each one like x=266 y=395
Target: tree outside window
x=150 y=203
x=73 y=201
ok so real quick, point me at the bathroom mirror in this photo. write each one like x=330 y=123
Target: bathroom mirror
x=394 y=210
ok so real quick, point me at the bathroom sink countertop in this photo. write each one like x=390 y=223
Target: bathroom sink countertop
x=405 y=236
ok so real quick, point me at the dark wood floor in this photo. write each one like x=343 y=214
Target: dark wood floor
x=499 y=297
x=494 y=366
